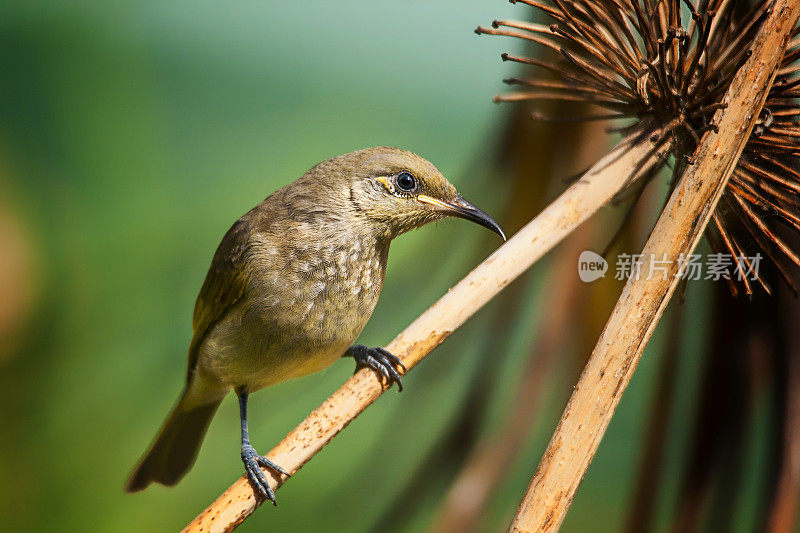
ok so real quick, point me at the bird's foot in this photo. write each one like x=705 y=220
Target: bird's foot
x=252 y=466
x=381 y=361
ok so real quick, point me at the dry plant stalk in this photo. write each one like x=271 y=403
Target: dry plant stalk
x=632 y=158
x=643 y=300
x=494 y=456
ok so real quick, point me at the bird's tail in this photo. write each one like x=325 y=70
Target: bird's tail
x=175 y=449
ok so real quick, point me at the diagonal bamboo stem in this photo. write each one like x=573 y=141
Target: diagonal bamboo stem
x=644 y=298
x=631 y=158
x=494 y=456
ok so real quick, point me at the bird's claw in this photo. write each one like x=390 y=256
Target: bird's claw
x=381 y=361
x=252 y=466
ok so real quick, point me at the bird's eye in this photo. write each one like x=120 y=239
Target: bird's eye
x=406 y=182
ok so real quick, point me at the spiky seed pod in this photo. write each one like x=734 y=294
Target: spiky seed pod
x=762 y=199
x=670 y=62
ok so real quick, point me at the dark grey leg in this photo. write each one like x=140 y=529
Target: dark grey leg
x=252 y=460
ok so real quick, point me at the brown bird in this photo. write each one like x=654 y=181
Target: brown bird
x=291 y=286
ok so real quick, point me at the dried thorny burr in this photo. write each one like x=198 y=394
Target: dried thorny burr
x=765 y=185
x=670 y=63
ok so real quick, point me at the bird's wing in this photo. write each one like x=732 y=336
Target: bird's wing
x=224 y=285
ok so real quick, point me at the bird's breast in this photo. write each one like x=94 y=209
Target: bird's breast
x=321 y=296
x=303 y=307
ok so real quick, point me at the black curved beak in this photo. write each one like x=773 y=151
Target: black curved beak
x=461 y=208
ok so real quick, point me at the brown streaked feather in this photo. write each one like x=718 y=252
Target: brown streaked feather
x=223 y=287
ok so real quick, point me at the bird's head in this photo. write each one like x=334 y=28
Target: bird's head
x=398 y=191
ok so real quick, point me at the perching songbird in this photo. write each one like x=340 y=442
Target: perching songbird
x=291 y=286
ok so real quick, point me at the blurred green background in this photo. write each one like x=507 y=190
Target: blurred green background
x=132 y=134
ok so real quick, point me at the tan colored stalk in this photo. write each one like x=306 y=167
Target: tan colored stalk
x=643 y=300
x=629 y=160
x=494 y=456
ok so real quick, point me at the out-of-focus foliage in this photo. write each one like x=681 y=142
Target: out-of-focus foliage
x=131 y=135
